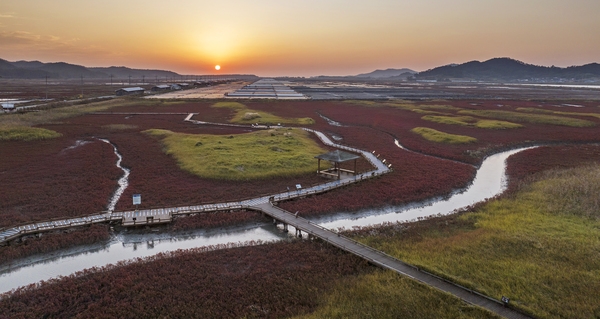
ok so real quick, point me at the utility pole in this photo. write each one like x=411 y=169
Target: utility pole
x=143 y=79
x=111 y=76
x=46 y=87
x=130 y=80
x=82 y=86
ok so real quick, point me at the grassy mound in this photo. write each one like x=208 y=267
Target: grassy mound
x=261 y=154
x=471 y=121
x=23 y=133
x=441 y=137
x=539 y=248
x=534 y=110
x=245 y=115
x=119 y=127
x=407 y=105
x=537 y=118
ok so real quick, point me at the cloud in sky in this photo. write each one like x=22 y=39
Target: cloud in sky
x=7 y=15
x=299 y=37
x=53 y=48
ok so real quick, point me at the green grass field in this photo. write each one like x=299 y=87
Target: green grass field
x=537 y=118
x=119 y=127
x=244 y=115
x=24 y=133
x=409 y=106
x=534 y=110
x=261 y=154
x=385 y=294
x=55 y=114
x=441 y=137
x=471 y=121
x=540 y=247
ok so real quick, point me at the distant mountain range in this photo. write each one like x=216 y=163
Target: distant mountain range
x=62 y=70
x=389 y=73
x=506 y=69
x=377 y=75
x=497 y=69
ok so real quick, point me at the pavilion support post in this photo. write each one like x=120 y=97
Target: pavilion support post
x=337 y=166
x=354 y=167
x=318 y=165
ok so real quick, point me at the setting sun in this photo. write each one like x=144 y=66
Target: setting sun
x=217 y=67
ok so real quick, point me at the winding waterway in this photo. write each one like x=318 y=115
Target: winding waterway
x=490 y=181
x=123 y=181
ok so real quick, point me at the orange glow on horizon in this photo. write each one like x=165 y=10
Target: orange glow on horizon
x=299 y=37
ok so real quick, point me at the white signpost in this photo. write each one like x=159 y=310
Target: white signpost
x=137 y=199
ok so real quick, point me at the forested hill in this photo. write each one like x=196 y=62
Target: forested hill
x=509 y=69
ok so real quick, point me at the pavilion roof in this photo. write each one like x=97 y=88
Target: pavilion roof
x=338 y=156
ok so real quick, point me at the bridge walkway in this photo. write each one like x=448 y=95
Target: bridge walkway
x=383 y=260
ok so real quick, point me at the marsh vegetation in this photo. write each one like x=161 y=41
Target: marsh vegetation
x=538 y=246
x=442 y=137
x=244 y=115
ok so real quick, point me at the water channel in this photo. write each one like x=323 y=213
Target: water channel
x=490 y=181
x=123 y=182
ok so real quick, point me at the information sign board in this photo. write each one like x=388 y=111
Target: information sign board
x=137 y=199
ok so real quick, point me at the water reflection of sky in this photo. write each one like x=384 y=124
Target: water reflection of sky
x=125 y=249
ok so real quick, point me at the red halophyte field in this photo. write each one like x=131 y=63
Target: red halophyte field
x=215 y=220
x=46 y=182
x=48 y=179
x=523 y=165
x=267 y=281
x=53 y=89
x=399 y=122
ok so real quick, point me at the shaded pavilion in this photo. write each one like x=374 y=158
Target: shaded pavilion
x=336 y=158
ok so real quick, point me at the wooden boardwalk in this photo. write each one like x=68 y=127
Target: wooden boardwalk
x=383 y=260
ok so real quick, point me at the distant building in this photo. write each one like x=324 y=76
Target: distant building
x=201 y=84
x=8 y=107
x=175 y=87
x=162 y=87
x=130 y=91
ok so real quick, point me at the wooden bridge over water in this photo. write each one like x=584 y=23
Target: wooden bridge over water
x=385 y=261
x=301 y=226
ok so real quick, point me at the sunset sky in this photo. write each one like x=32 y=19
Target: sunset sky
x=298 y=37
